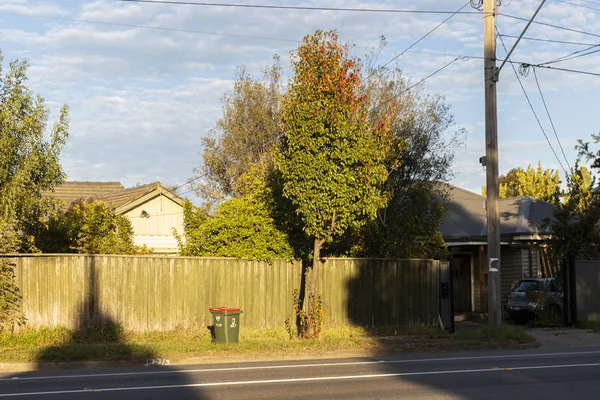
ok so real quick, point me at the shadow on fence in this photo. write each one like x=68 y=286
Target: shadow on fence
x=98 y=337
x=394 y=292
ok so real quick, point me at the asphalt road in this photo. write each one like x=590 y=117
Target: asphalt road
x=532 y=374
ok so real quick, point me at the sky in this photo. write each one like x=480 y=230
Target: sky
x=141 y=99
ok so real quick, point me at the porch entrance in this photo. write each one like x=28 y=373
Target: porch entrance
x=461 y=268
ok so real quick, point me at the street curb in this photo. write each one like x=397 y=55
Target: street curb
x=7 y=367
x=45 y=366
x=531 y=345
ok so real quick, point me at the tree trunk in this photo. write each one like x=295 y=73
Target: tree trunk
x=312 y=288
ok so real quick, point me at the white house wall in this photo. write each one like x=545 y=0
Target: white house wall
x=153 y=223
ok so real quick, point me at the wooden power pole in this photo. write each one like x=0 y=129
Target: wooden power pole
x=491 y=159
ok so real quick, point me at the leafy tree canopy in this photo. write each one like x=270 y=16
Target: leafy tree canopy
x=418 y=161
x=89 y=228
x=543 y=184
x=29 y=165
x=576 y=223
x=245 y=136
x=241 y=227
x=332 y=159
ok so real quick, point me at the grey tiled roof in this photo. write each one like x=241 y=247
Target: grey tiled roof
x=466 y=216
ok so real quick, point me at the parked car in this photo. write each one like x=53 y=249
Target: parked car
x=531 y=298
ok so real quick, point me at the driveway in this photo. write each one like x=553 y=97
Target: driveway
x=565 y=338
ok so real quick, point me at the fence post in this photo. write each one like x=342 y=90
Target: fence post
x=451 y=292
x=569 y=291
x=573 y=287
x=446 y=314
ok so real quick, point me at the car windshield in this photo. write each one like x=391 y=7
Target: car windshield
x=527 y=286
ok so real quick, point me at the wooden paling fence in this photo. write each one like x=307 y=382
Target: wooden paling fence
x=146 y=293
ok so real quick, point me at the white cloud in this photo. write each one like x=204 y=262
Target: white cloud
x=141 y=99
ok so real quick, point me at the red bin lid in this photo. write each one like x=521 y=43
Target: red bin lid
x=224 y=310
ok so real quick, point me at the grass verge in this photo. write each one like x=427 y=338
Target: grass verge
x=509 y=334
x=114 y=344
x=591 y=325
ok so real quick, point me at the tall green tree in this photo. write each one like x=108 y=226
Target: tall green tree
x=332 y=159
x=245 y=136
x=543 y=184
x=29 y=166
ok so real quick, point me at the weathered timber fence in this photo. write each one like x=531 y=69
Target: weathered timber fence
x=162 y=293
x=378 y=292
x=587 y=290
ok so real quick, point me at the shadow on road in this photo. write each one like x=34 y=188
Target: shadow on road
x=388 y=294
x=99 y=337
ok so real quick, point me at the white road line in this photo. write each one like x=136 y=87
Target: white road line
x=287 y=366
x=293 y=380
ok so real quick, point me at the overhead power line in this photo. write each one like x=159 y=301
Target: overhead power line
x=577 y=5
x=561 y=69
x=305 y=8
x=550 y=25
x=531 y=107
x=87 y=21
x=549 y=40
x=576 y=54
x=285 y=40
x=419 y=40
x=463 y=58
x=519 y=38
x=550 y=118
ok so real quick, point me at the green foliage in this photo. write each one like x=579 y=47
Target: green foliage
x=10 y=298
x=29 y=165
x=506 y=333
x=542 y=184
x=418 y=160
x=331 y=158
x=241 y=227
x=576 y=223
x=309 y=322
x=89 y=228
x=411 y=228
x=245 y=135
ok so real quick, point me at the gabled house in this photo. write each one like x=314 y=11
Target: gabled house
x=153 y=210
x=522 y=237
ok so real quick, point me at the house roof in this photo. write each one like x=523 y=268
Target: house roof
x=519 y=216
x=71 y=191
x=125 y=200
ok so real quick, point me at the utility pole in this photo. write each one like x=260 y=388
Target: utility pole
x=491 y=156
x=491 y=74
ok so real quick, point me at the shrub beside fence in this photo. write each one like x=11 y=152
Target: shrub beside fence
x=162 y=293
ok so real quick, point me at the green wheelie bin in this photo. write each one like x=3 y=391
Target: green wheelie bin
x=226 y=324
